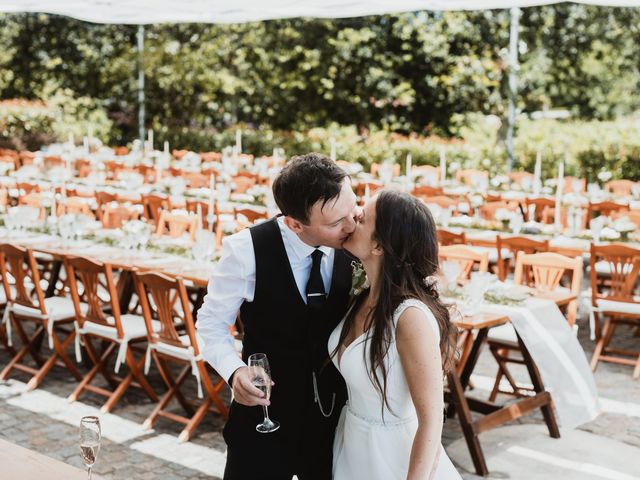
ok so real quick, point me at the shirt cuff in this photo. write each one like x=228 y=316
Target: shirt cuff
x=229 y=365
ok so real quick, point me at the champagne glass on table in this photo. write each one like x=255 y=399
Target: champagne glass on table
x=89 y=441
x=261 y=379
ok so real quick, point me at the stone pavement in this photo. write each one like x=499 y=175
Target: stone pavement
x=44 y=421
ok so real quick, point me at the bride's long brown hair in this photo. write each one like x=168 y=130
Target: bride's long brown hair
x=406 y=232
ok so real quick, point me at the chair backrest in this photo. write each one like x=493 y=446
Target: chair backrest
x=154 y=204
x=621 y=275
x=19 y=264
x=375 y=168
x=446 y=237
x=516 y=245
x=243 y=183
x=620 y=187
x=472 y=176
x=543 y=209
x=431 y=173
x=440 y=200
x=196 y=180
x=427 y=191
x=466 y=257
x=361 y=188
x=522 y=178
x=75 y=205
x=192 y=206
x=489 y=209
x=166 y=299
x=632 y=215
x=605 y=208
x=176 y=224
x=115 y=214
x=574 y=184
x=250 y=214
x=95 y=277
x=27 y=188
x=84 y=167
x=547 y=270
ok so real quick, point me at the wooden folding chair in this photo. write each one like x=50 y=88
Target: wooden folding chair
x=154 y=204
x=616 y=299
x=446 y=237
x=543 y=210
x=177 y=224
x=170 y=303
x=516 y=245
x=103 y=199
x=26 y=303
x=467 y=257
x=547 y=270
x=102 y=321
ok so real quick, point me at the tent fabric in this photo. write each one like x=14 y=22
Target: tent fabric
x=139 y=12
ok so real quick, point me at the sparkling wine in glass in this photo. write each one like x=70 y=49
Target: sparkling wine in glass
x=90 y=436
x=261 y=379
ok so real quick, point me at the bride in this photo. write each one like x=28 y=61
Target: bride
x=392 y=348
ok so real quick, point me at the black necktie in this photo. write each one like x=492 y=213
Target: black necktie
x=315 y=286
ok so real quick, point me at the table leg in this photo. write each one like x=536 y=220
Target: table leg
x=470 y=364
x=538 y=386
x=459 y=402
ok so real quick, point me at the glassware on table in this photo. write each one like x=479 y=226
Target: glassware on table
x=90 y=436
x=451 y=271
x=474 y=291
x=261 y=378
x=596 y=225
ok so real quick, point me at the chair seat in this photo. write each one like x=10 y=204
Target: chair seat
x=503 y=334
x=133 y=327
x=619 y=307
x=58 y=308
x=179 y=352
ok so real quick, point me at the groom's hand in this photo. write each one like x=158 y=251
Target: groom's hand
x=244 y=392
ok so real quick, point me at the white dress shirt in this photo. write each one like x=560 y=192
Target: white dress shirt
x=233 y=282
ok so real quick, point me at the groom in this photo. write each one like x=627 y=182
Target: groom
x=290 y=281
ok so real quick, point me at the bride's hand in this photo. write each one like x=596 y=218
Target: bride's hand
x=244 y=392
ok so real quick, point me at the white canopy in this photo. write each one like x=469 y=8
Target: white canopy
x=139 y=12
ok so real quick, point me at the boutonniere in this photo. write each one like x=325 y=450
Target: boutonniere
x=359 y=280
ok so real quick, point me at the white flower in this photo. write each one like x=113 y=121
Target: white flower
x=609 y=234
x=604 y=176
x=359 y=280
x=624 y=225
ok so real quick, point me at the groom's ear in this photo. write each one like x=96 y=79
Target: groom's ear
x=294 y=225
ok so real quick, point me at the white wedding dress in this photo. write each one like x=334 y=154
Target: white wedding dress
x=365 y=447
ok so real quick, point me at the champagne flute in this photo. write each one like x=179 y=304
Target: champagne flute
x=89 y=441
x=261 y=379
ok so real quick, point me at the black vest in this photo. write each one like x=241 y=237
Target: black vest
x=294 y=337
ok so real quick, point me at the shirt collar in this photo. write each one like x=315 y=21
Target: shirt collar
x=299 y=248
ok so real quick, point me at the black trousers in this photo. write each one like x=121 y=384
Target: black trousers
x=304 y=449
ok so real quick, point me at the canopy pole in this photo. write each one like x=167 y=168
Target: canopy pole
x=141 y=112
x=514 y=67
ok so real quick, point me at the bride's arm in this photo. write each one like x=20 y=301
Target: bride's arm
x=419 y=351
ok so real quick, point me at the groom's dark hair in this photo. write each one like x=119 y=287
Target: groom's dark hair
x=304 y=181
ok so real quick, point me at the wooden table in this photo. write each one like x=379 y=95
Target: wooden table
x=494 y=414
x=20 y=463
